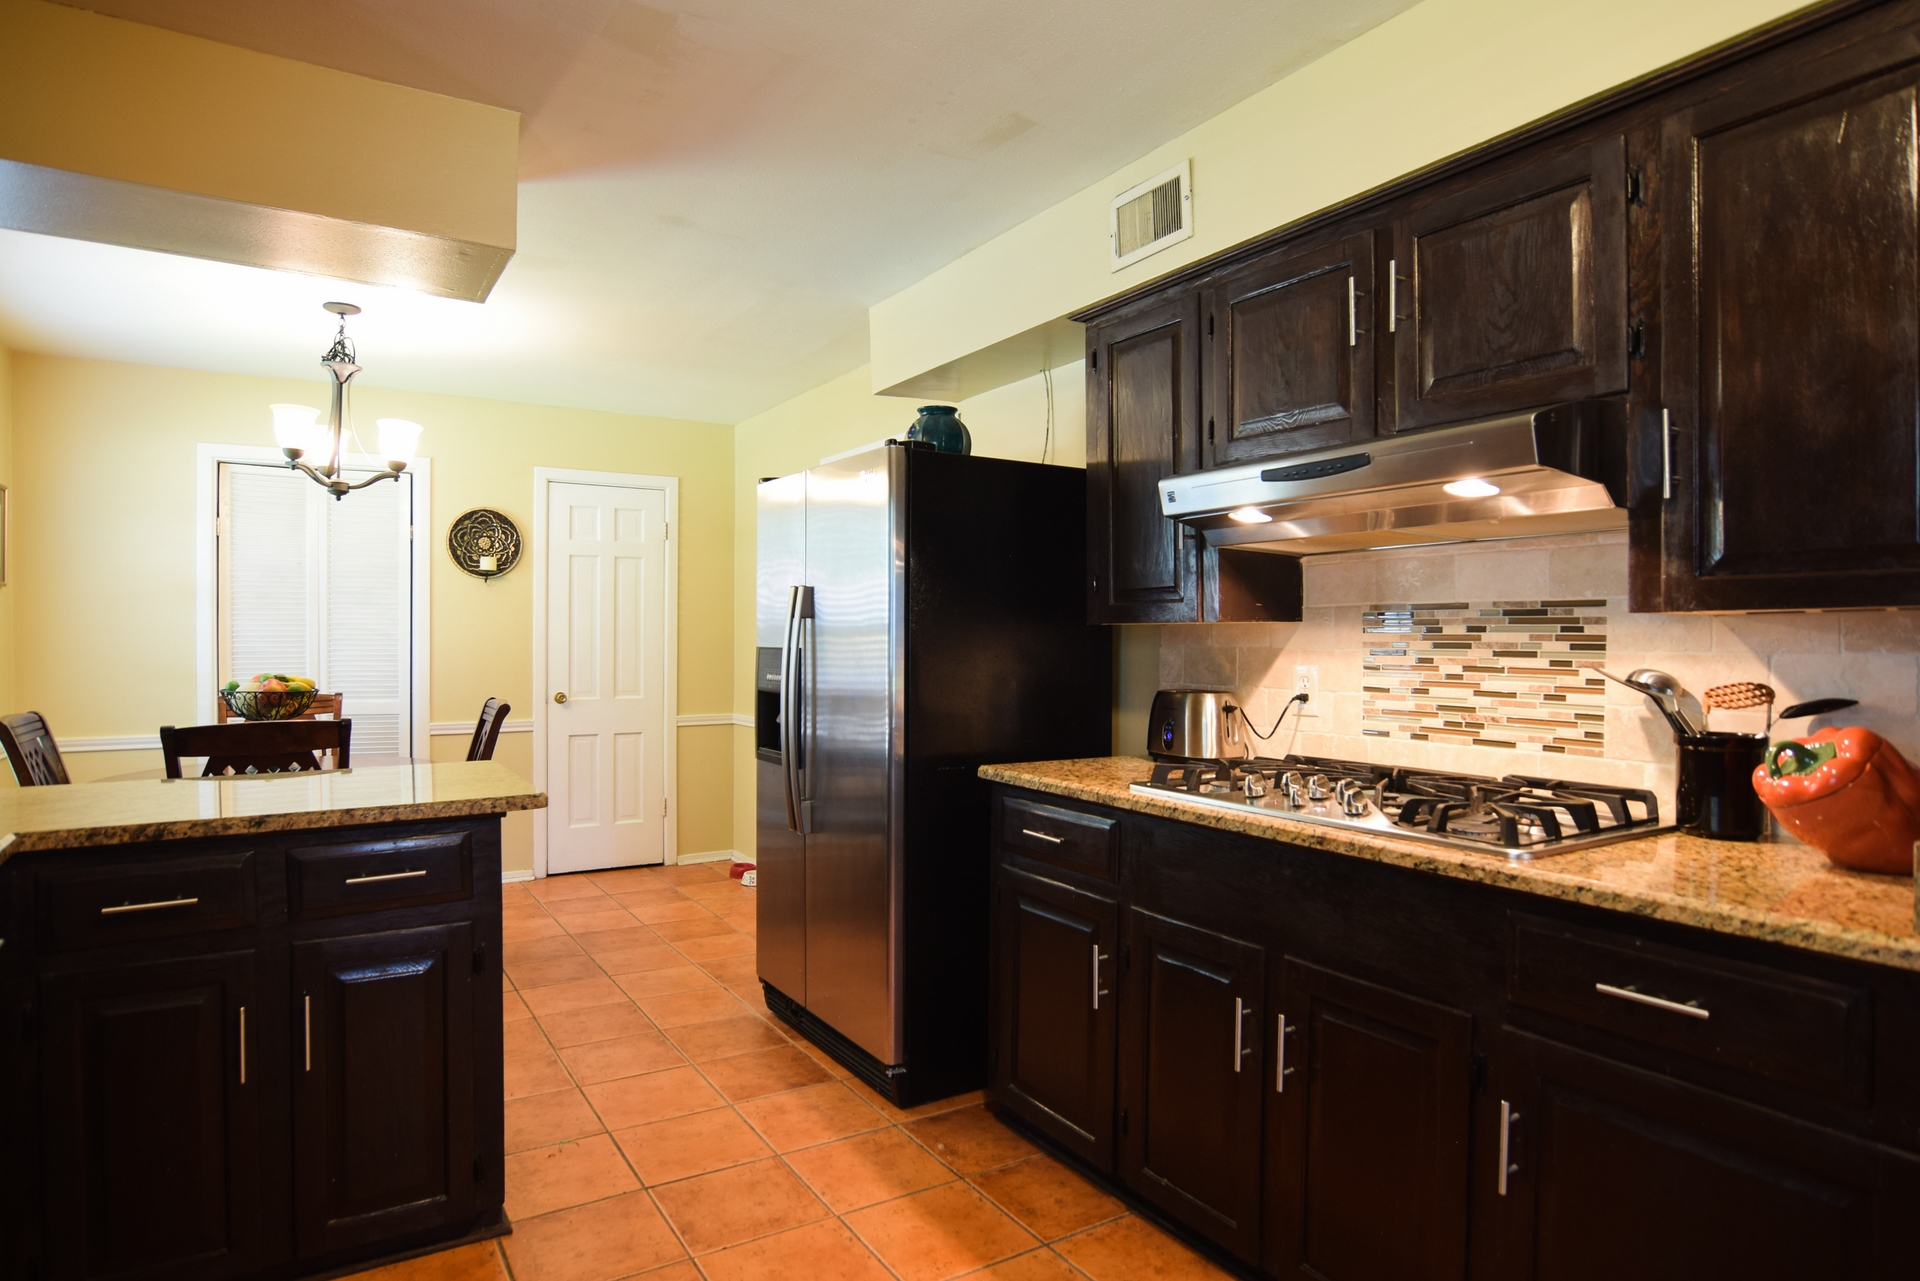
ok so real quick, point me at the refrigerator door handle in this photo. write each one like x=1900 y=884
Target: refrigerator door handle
x=799 y=607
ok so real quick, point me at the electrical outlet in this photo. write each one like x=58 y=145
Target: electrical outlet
x=1306 y=680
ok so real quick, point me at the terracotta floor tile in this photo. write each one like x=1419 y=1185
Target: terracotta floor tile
x=693 y=927
x=902 y=1115
x=656 y=892
x=698 y=1143
x=686 y=873
x=599 y=1242
x=579 y=905
x=527 y=975
x=541 y=949
x=573 y=1173
x=823 y=1251
x=808 y=1117
x=595 y=1023
x=522 y=1036
x=542 y=1120
x=727 y=1207
x=665 y=981
x=868 y=1168
x=625 y=878
x=724 y=1037
x=970 y=1140
x=754 y=997
x=654 y=956
x=672 y=1272
x=551 y=889
x=477 y=1262
x=643 y=1052
x=690 y=1005
x=512 y=1008
x=535 y=1072
x=1047 y=1198
x=730 y=970
x=711 y=947
x=613 y=918
x=619 y=939
x=1131 y=1249
x=762 y=1072
x=1034 y=1265
x=713 y=893
x=828 y=1062
x=574 y=995
x=520 y=931
x=678 y=908
x=939 y=1233
x=636 y=1100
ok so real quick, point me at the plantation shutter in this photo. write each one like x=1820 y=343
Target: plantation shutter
x=322 y=588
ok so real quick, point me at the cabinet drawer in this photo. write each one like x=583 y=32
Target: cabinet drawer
x=1066 y=838
x=1786 y=1027
x=370 y=876
x=129 y=901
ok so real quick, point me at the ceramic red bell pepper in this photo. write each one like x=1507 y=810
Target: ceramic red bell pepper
x=1848 y=793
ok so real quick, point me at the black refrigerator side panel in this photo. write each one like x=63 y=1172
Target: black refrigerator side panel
x=1001 y=666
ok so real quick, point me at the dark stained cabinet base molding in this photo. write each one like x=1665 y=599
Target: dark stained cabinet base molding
x=205 y=1082
x=1333 y=1069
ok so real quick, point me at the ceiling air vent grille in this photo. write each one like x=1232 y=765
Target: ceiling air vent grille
x=1152 y=215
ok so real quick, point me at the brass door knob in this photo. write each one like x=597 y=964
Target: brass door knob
x=560 y=698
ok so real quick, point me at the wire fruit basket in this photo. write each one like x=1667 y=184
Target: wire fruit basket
x=267 y=704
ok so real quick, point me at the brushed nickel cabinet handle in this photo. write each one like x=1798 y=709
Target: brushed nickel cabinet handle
x=1689 y=1009
x=386 y=876
x=243 y=1045
x=1353 y=318
x=1240 y=1049
x=1393 y=295
x=1507 y=1117
x=1098 y=991
x=1666 y=454
x=148 y=907
x=1043 y=836
x=306 y=1020
x=1280 y=1069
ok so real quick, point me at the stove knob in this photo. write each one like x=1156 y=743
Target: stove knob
x=1319 y=788
x=1255 y=785
x=1296 y=789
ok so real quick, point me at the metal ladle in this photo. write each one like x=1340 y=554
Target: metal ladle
x=1665 y=693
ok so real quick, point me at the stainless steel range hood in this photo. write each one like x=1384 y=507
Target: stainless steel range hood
x=1559 y=470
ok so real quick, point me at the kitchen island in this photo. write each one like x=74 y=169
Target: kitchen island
x=1332 y=1053
x=252 y=1024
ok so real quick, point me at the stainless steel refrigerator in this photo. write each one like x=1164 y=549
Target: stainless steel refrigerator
x=917 y=615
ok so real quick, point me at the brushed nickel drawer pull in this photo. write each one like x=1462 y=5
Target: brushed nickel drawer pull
x=1098 y=991
x=243 y=1045
x=386 y=876
x=1507 y=1117
x=1240 y=1049
x=1042 y=836
x=148 y=907
x=1280 y=1069
x=1691 y=1010
x=306 y=1019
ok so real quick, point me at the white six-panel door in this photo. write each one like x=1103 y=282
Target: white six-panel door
x=606 y=661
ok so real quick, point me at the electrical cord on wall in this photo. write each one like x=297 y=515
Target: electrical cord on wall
x=1297 y=698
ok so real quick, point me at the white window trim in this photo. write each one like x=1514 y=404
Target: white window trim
x=206 y=575
x=543 y=479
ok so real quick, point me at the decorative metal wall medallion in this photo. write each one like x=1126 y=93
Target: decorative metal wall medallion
x=484 y=542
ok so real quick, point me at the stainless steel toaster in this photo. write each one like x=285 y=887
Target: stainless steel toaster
x=1193 y=724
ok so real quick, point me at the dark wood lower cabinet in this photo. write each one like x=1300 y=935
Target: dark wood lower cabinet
x=1057 y=1011
x=1614 y=1172
x=150 y=1126
x=1367 y=1153
x=384 y=1134
x=1190 y=1076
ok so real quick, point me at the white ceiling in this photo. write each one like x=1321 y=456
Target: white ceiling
x=712 y=194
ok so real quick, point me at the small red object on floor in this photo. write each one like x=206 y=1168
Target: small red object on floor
x=740 y=870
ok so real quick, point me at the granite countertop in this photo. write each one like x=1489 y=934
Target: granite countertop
x=85 y=814
x=1779 y=892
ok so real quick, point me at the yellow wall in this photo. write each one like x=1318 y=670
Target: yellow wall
x=1010 y=422
x=1438 y=79
x=103 y=554
x=6 y=478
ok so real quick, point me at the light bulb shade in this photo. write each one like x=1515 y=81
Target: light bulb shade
x=398 y=439
x=1472 y=487
x=296 y=427
x=1249 y=516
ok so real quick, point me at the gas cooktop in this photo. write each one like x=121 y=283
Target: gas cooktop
x=1515 y=817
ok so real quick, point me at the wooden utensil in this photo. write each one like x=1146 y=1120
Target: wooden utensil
x=1737 y=695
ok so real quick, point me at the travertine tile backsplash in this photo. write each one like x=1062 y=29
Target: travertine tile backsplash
x=1873 y=656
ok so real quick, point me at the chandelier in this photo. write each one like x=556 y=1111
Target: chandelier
x=298 y=431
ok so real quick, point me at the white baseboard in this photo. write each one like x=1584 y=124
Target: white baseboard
x=711 y=856
x=713 y=718
x=521 y=874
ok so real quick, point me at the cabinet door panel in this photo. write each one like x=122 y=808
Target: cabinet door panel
x=1621 y=1173
x=151 y=1141
x=384 y=1121
x=1792 y=367
x=1142 y=411
x=1291 y=350
x=1512 y=290
x=1374 y=1112
x=1057 y=961
x=1190 y=1076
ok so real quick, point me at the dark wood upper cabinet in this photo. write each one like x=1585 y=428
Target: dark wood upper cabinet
x=383 y=1126
x=1190 y=1078
x=1614 y=1172
x=1290 y=351
x=1057 y=961
x=1791 y=365
x=1510 y=290
x=1367 y=1163
x=151 y=1138
x=1143 y=415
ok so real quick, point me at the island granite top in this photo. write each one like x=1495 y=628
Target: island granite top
x=1779 y=892
x=86 y=814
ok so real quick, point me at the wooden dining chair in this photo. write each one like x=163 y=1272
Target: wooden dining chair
x=323 y=705
x=493 y=714
x=31 y=749
x=258 y=747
